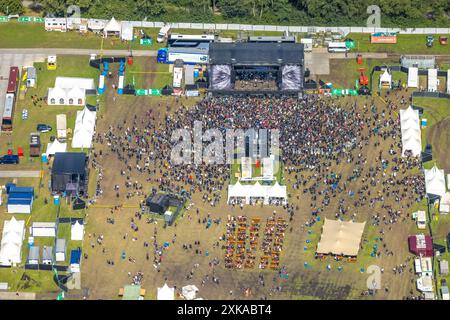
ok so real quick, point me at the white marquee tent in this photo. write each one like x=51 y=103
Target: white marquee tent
x=84 y=129
x=54 y=147
x=435 y=181
x=76 y=231
x=248 y=191
x=413 y=77
x=432 y=80
x=410 y=130
x=69 y=91
x=11 y=244
x=112 y=27
x=166 y=293
x=127 y=31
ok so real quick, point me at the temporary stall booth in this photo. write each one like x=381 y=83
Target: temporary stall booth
x=11 y=244
x=307 y=44
x=20 y=200
x=43 y=229
x=75 y=259
x=60 y=250
x=61 y=127
x=432 y=80
x=33 y=255
x=444 y=206
x=31 y=77
x=77 y=231
x=47 y=255
x=413 y=77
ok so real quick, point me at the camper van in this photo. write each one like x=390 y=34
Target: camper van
x=337 y=47
x=163 y=33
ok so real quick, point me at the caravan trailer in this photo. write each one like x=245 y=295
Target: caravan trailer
x=335 y=47
x=56 y=24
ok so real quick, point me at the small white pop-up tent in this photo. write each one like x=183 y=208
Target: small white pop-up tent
x=76 y=231
x=11 y=243
x=112 y=27
x=189 y=292
x=166 y=293
x=386 y=80
x=410 y=130
x=413 y=77
x=84 y=129
x=54 y=147
x=435 y=181
x=432 y=80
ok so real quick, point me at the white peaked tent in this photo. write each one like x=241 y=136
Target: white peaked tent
x=54 y=147
x=112 y=27
x=386 y=80
x=84 y=129
x=435 y=181
x=432 y=80
x=410 y=129
x=166 y=293
x=127 y=31
x=76 y=231
x=413 y=77
x=189 y=292
x=256 y=190
x=11 y=243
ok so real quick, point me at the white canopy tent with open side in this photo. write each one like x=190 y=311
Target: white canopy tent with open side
x=84 y=129
x=112 y=27
x=11 y=243
x=435 y=181
x=76 y=231
x=166 y=293
x=54 y=147
x=432 y=80
x=410 y=130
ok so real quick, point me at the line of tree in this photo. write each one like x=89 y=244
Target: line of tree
x=401 y=13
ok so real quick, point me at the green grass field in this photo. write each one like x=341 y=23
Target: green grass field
x=406 y=44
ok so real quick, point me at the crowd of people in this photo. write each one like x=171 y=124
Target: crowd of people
x=345 y=157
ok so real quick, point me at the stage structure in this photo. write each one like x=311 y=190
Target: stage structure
x=249 y=68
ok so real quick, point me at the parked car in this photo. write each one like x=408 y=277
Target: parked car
x=448 y=241
x=443 y=40
x=9 y=159
x=430 y=40
x=43 y=128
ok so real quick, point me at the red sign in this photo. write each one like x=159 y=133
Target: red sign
x=383 y=39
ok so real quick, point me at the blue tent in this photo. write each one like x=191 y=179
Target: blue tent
x=20 y=200
x=75 y=256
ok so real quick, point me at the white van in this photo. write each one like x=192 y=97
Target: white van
x=163 y=33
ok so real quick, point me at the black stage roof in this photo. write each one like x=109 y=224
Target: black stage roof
x=248 y=53
x=69 y=163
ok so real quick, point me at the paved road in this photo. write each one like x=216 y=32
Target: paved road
x=17 y=296
x=77 y=52
x=15 y=58
x=19 y=174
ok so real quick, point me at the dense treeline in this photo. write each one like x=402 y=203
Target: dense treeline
x=402 y=13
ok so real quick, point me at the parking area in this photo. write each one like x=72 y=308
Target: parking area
x=20 y=60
